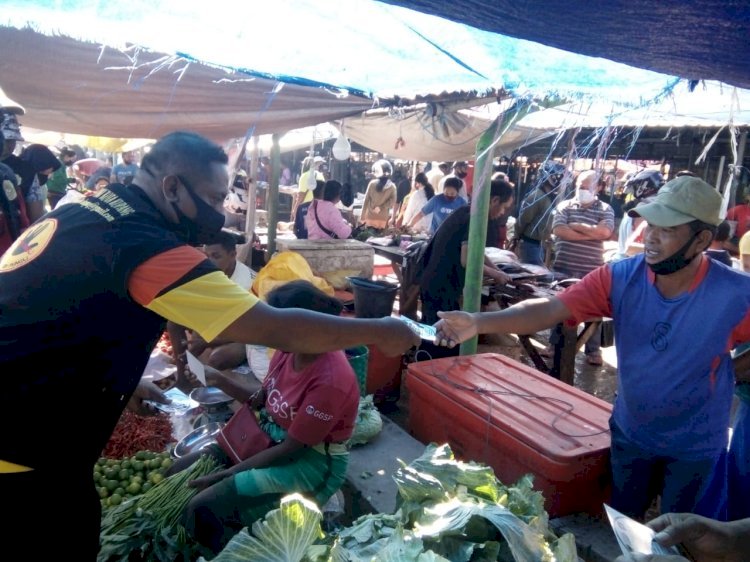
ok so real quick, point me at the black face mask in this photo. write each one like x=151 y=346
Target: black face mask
x=450 y=198
x=461 y=175
x=676 y=261
x=206 y=225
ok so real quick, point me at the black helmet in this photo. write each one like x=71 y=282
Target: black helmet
x=644 y=184
x=551 y=171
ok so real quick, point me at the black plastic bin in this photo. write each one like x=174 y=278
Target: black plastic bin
x=372 y=299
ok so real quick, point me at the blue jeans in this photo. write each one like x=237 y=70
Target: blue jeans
x=530 y=252
x=685 y=486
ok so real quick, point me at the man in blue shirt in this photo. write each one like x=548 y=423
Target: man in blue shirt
x=441 y=205
x=125 y=172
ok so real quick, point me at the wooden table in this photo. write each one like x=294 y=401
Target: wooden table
x=562 y=363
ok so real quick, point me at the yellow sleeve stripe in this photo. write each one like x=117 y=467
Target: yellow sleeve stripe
x=12 y=468
x=207 y=304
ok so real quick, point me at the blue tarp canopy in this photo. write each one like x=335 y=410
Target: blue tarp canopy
x=141 y=68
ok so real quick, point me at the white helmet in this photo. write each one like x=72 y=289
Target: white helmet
x=382 y=168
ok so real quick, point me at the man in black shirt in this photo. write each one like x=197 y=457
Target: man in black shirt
x=445 y=268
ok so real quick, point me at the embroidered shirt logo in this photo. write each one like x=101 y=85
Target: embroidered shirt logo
x=29 y=245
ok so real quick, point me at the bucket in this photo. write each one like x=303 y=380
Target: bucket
x=358 y=359
x=372 y=299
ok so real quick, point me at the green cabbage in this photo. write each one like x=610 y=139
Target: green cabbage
x=283 y=536
x=368 y=423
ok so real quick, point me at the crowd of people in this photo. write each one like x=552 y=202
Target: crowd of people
x=155 y=254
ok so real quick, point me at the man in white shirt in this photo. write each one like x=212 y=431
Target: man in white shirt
x=436 y=175
x=219 y=355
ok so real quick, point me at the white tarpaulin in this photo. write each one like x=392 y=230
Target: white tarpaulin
x=76 y=87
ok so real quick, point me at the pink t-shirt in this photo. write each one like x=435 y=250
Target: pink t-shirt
x=330 y=217
x=316 y=405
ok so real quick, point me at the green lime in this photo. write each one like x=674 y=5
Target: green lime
x=103 y=492
x=146 y=486
x=156 y=478
x=136 y=478
x=112 y=485
x=137 y=466
x=166 y=463
x=124 y=474
x=125 y=464
x=115 y=499
x=140 y=455
x=134 y=488
x=120 y=491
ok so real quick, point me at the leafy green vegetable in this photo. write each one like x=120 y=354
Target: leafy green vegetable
x=283 y=536
x=368 y=423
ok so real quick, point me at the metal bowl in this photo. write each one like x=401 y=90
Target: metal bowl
x=210 y=396
x=197 y=439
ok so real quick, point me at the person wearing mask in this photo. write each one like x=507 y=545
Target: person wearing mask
x=33 y=193
x=130 y=264
x=580 y=225
x=323 y=220
x=677 y=315
x=44 y=162
x=460 y=171
x=306 y=185
x=445 y=265
x=440 y=206
x=380 y=206
x=703 y=539
x=417 y=199
x=57 y=182
x=320 y=397
x=13 y=218
x=534 y=225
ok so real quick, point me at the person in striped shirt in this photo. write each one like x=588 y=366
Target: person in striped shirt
x=579 y=226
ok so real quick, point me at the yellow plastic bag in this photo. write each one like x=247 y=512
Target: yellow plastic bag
x=284 y=267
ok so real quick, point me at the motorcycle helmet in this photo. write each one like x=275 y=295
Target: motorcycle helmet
x=644 y=184
x=551 y=171
x=382 y=168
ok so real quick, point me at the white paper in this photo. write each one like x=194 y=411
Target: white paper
x=633 y=537
x=196 y=367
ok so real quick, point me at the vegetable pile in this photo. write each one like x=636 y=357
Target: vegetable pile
x=120 y=479
x=135 y=433
x=148 y=527
x=448 y=511
x=165 y=344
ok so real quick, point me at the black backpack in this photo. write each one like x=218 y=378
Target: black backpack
x=414 y=261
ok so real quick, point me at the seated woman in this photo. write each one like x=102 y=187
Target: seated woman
x=299 y=227
x=323 y=220
x=314 y=398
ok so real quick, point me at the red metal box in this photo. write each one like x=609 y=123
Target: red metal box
x=492 y=409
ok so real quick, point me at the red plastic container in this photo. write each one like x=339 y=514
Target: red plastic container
x=383 y=373
x=492 y=409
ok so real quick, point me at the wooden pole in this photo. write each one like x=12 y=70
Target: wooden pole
x=273 y=194
x=736 y=171
x=252 y=191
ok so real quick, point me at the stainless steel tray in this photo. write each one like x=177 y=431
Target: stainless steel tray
x=197 y=439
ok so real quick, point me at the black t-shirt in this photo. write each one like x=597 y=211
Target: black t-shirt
x=443 y=271
x=73 y=342
x=24 y=170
